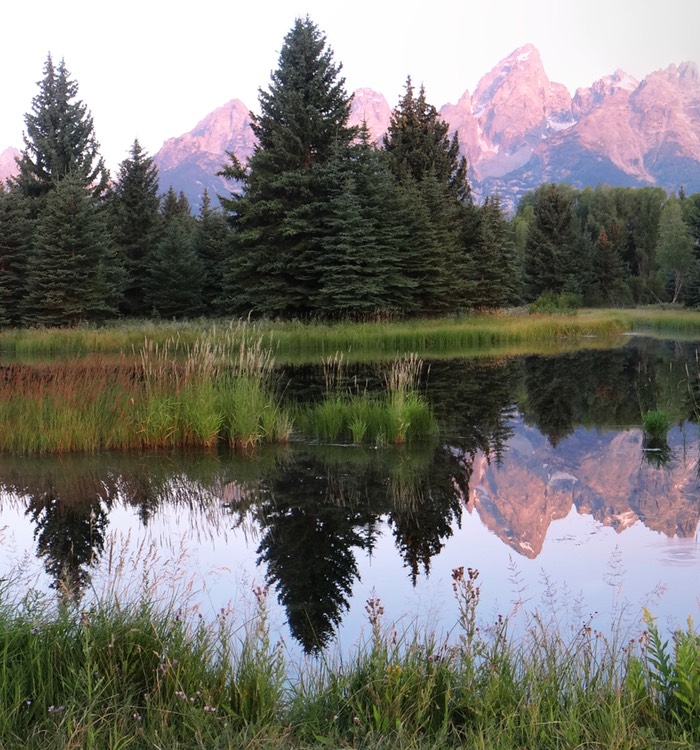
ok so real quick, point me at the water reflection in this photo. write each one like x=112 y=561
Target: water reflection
x=524 y=442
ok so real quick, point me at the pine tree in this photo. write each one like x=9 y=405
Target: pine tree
x=175 y=205
x=363 y=239
x=496 y=272
x=136 y=222
x=72 y=273
x=418 y=144
x=212 y=243
x=16 y=237
x=553 y=245
x=60 y=139
x=607 y=268
x=279 y=214
x=174 y=274
x=432 y=177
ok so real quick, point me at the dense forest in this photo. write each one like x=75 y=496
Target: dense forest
x=324 y=223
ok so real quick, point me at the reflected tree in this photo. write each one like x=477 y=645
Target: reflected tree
x=311 y=524
x=551 y=386
x=70 y=537
x=475 y=401
x=425 y=509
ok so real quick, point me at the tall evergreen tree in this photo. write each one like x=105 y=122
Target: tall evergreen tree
x=174 y=273
x=280 y=213
x=60 y=139
x=364 y=238
x=72 y=274
x=16 y=237
x=212 y=243
x=608 y=270
x=136 y=222
x=432 y=177
x=496 y=270
x=645 y=205
x=553 y=246
x=417 y=143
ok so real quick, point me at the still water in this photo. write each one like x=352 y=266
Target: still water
x=541 y=479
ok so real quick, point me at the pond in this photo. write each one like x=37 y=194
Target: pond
x=541 y=478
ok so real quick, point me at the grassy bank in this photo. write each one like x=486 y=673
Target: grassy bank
x=119 y=675
x=517 y=331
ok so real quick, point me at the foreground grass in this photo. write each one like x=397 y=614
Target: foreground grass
x=119 y=675
x=515 y=332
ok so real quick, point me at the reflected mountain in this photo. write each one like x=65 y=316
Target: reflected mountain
x=604 y=475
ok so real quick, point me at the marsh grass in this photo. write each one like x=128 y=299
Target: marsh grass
x=220 y=390
x=514 y=330
x=164 y=396
x=130 y=673
x=656 y=423
x=134 y=670
x=509 y=330
x=349 y=412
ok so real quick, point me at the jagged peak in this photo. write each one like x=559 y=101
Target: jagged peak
x=525 y=60
x=526 y=52
x=688 y=71
x=368 y=93
x=620 y=79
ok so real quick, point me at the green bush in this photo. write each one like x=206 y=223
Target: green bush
x=556 y=302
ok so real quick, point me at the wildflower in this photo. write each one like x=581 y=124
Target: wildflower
x=375 y=610
x=137 y=716
x=56 y=709
x=209 y=709
x=181 y=694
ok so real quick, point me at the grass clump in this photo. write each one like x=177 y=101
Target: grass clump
x=656 y=423
x=166 y=396
x=395 y=416
x=131 y=675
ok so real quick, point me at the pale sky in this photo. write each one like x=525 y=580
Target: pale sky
x=152 y=69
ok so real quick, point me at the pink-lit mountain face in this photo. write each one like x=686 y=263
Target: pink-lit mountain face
x=518 y=129
x=8 y=165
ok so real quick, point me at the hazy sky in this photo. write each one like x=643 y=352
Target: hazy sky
x=151 y=70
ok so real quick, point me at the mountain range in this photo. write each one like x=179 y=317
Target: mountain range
x=518 y=130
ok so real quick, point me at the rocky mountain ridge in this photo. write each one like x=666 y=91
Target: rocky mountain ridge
x=518 y=129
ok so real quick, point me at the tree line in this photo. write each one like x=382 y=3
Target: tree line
x=324 y=223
